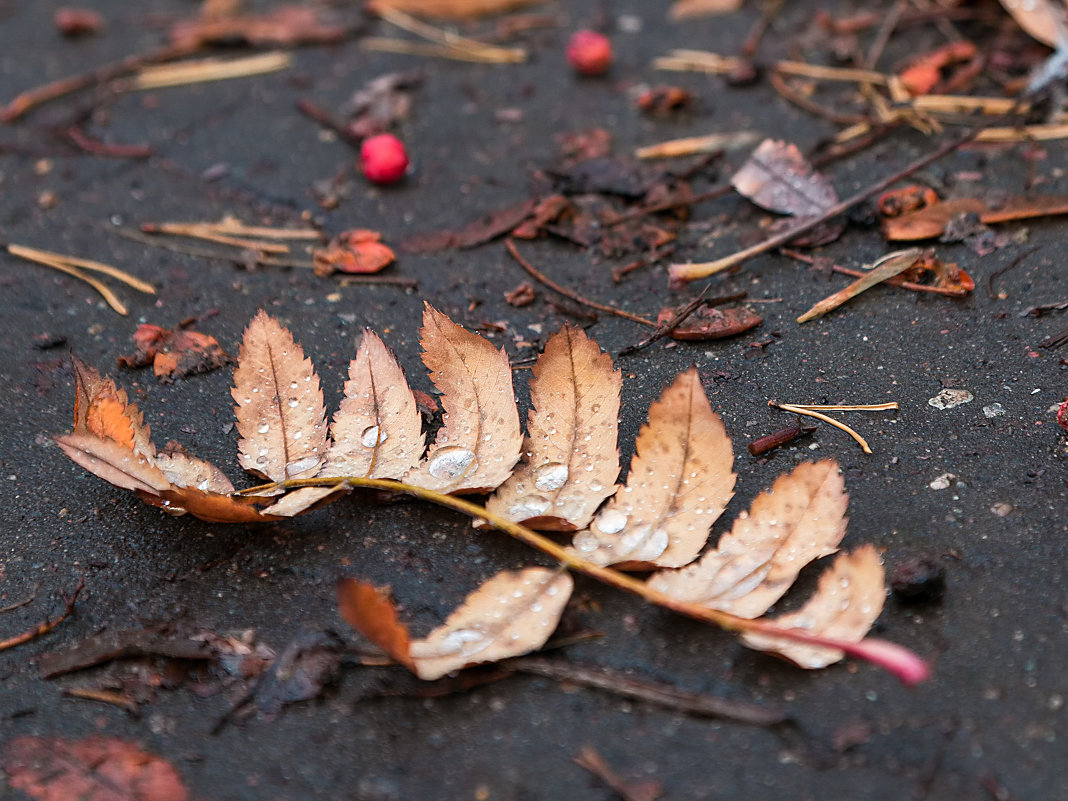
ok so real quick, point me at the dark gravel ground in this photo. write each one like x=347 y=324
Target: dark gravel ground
x=989 y=725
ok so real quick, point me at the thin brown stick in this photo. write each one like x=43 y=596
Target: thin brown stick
x=711 y=194
x=780 y=85
x=105 y=697
x=652 y=692
x=48 y=92
x=777 y=439
x=23 y=602
x=680 y=317
x=43 y=628
x=771 y=10
x=693 y=271
x=789 y=407
x=77 y=136
x=882 y=37
x=567 y=293
x=1002 y=270
x=592 y=761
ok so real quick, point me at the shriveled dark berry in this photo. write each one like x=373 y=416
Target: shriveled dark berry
x=919 y=579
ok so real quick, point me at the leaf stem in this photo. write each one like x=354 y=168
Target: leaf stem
x=907 y=666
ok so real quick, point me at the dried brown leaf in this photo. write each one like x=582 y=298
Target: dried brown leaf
x=931 y=221
x=451 y=9
x=113 y=462
x=778 y=178
x=174 y=352
x=104 y=410
x=801 y=519
x=847 y=602
x=680 y=481
x=185 y=470
x=571 y=460
x=377 y=430
x=370 y=611
x=480 y=440
x=511 y=614
x=1037 y=17
x=94 y=769
x=210 y=506
x=280 y=411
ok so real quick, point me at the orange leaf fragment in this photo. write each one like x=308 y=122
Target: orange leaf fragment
x=680 y=481
x=480 y=441
x=802 y=518
x=94 y=769
x=280 y=412
x=104 y=410
x=931 y=221
x=924 y=74
x=370 y=611
x=513 y=613
x=377 y=430
x=571 y=460
x=358 y=251
x=174 y=352
x=847 y=602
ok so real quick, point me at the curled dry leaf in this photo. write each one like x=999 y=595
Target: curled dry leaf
x=680 y=481
x=116 y=464
x=709 y=322
x=377 y=429
x=480 y=440
x=174 y=352
x=571 y=461
x=280 y=411
x=511 y=614
x=801 y=519
x=778 y=178
x=103 y=410
x=357 y=251
x=1038 y=17
x=847 y=602
x=94 y=769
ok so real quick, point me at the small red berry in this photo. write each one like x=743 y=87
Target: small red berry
x=589 y=52
x=383 y=159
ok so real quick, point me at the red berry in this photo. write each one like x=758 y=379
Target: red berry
x=589 y=52
x=383 y=159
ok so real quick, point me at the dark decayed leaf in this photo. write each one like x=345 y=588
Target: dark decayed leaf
x=174 y=353
x=778 y=178
x=709 y=322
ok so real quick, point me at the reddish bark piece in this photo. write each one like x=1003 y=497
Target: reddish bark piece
x=778 y=178
x=94 y=769
x=486 y=228
x=906 y=200
x=370 y=611
x=174 y=353
x=358 y=251
x=925 y=73
x=285 y=26
x=709 y=322
x=522 y=295
x=450 y=9
x=72 y=22
x=931 y=221
x=661 y=100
